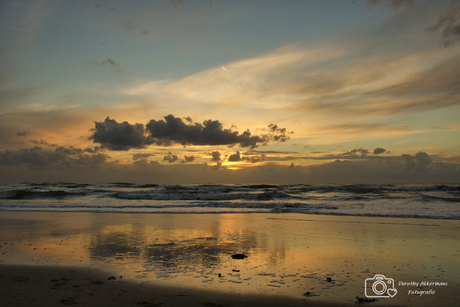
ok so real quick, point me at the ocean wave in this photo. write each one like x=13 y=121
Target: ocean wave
x=392 y=200
x=28 y=194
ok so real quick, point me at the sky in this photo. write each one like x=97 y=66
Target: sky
x=213 y=91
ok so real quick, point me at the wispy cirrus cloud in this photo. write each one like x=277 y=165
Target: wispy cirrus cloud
x=23 y=20
x=393 y=4
x=320 y=81
x=448 y=23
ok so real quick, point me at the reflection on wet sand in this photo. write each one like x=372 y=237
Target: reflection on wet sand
x=326 y=257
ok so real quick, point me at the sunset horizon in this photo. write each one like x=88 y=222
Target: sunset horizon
x=230 y=153
x=230 y=92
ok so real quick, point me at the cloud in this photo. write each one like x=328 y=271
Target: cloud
x=258 y=159
x=188 y=159
x=371 y=4
x=215 y=156
x=24 y=133
x=211 y=132
x=278 y=134
x=25 y=19
x=75 y=164
x=107 y=63
x=378 y=150
x=448 y=23
x=91 y=149
x=217 y=166
x=110 y=62
x=177 y=2
x=361 y=151
x=419 y=162
x=42 y=142
x=110 y=9
x=129 y=24
x=357 y=131
x=170 y=157
x=9 y=96
x=119 y=136
x=393 y=4
x=235 y=157
x=334 y=83
x=50 y=123
x=438 y=79
x=172 y=130
x=141 y=156
x=61 y=156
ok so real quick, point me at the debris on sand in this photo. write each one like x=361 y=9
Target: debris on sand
x=68 y=301
x=239 y=256
x=309 y=294
x=362 y=299
x=147 y=304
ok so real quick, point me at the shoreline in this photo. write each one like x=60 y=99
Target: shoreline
x=288 y=255
x=404 y=217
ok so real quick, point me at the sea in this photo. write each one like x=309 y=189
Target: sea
x=382 y=200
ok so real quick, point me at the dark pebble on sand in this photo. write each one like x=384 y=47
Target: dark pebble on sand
x=68 y=301
x=363 y=299
x=239 y=256
x=329 y=279
x=147 y=304
x=59 y=284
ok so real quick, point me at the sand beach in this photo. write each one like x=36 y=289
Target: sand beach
x=99 y=259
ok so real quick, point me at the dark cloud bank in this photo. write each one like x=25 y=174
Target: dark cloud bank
x=173 y=130
x=59 y=158
x=90 y=165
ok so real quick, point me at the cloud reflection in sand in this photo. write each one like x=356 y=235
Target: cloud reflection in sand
x=287 y=254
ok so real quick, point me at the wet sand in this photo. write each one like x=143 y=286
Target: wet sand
x=59 y=286
x=186 y=259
